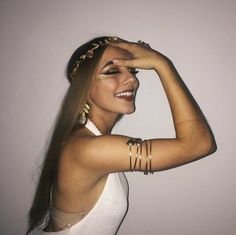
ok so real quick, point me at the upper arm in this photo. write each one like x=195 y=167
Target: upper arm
x=110 y=153
x=105 y=153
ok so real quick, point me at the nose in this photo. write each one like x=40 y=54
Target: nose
x=129 y=78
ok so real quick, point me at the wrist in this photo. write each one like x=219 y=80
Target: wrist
x=163 y=66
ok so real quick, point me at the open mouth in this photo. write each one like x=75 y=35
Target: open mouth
x=126 y=95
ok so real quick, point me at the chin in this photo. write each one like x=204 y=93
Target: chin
x=129 y=111
x=124 y=110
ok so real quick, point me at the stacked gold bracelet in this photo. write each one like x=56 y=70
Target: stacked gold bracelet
x=131 y=142
x=138 y=154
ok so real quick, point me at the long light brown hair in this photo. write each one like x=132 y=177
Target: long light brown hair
x=73 y=103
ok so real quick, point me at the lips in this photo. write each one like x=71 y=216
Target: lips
x=127 y=95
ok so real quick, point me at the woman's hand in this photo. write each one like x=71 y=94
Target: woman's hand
x=144 y=56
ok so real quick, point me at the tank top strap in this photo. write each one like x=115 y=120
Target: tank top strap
x=92 y=127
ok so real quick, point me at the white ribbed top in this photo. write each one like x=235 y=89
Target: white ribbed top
x=107 y=214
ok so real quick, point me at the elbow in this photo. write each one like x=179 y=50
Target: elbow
x=210 y=148
x=206 y=145
x=200 y=146
x=213 y=146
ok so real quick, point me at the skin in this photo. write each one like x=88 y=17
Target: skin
x=109 y=80
x=87 y=160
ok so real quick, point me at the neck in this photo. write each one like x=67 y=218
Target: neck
x=104 y=124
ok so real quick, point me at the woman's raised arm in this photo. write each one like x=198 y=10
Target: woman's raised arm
x=193 y=140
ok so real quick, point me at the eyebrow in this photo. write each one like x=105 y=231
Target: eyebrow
x=107 y=63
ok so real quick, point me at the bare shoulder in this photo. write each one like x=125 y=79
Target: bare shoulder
x=77 y=179
x=102 y=154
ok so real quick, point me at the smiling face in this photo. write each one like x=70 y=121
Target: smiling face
x=114 y=87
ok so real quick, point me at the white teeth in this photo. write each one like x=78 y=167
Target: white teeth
x=126 y=93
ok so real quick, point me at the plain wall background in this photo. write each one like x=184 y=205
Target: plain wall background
x=36 y=41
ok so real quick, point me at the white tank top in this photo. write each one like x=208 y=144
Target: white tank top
x=107 y=214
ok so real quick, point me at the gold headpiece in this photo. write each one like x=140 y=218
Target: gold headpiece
x=90 y=52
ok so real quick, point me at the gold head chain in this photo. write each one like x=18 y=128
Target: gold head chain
x=89 y=54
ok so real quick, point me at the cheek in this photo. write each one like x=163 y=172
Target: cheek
x=105 y=86
x=103 y=89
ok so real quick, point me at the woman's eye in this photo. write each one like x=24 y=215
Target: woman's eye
x=116 y=71
x=112 y=71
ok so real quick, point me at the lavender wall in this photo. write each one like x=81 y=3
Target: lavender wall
x=36 y=40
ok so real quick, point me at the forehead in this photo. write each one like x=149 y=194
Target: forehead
x=111 y=53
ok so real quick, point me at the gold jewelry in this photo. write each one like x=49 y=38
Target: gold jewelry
x=146 y=165
x=138 y=142
x=130 y=143
x=142 y=43
x=148 y=144
x=150 y=157
x=89 y=54
x=83 y=116
x=138 y=155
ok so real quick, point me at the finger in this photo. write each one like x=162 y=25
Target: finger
x=122 y=44
x=123 y=62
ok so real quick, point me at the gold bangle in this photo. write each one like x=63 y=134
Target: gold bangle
x=150 y=157
x=130 y=143
x=146 y=164
x=138 y=143
x=136 y=155
x=140 y=157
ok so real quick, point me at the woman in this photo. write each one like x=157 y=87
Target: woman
x=82 y=189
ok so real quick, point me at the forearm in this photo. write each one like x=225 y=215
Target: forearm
x=190 y=123
x=182 y=103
